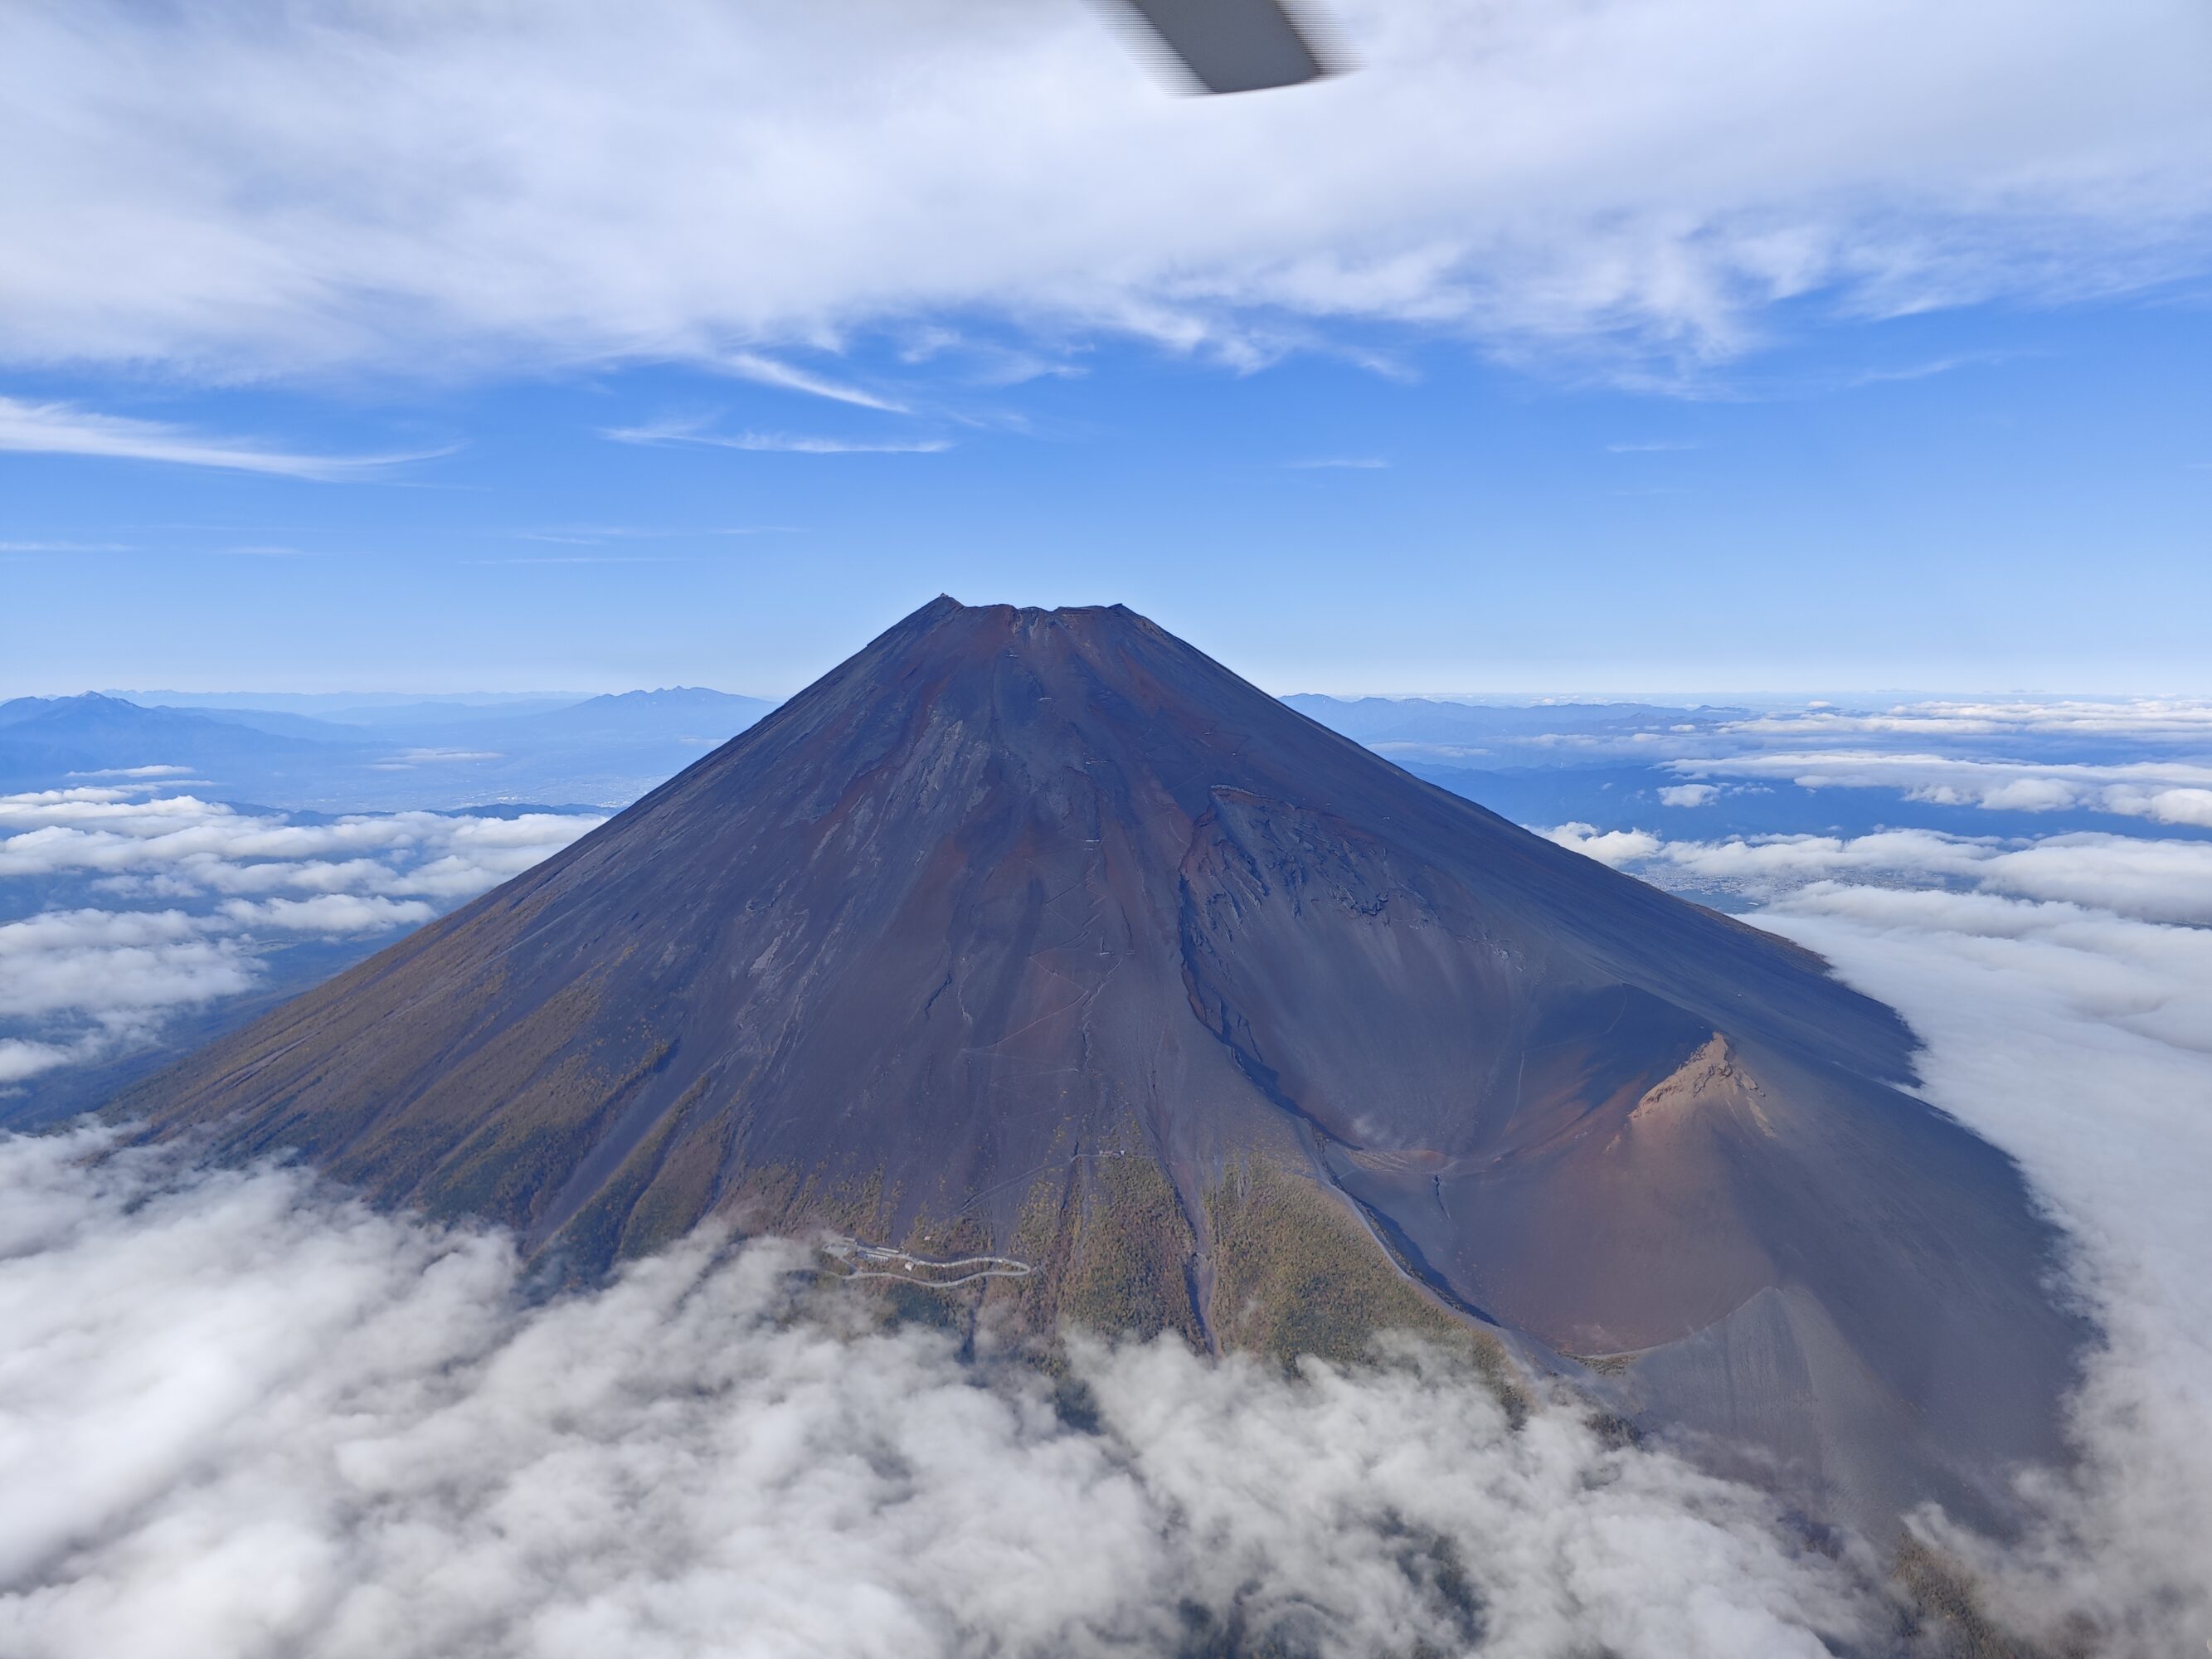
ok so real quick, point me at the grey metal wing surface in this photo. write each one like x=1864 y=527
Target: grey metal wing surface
x=1235 y=45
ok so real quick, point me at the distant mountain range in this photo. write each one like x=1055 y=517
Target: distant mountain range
x=56 y=741
x=602 y=750
x=363 y=709
x=1503 y=727
x=1544 y=763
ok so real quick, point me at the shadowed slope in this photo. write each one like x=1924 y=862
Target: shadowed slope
x=1041 y=933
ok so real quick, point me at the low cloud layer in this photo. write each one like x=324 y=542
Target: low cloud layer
x=155 y=904
x=2138 y=878
x=166 y=845
x=2145 y=758
x=240 y=1416
x=2177 y=791
x=2138 y=720
x=2080 y=1042
x=94 y=977
x=2145 y=763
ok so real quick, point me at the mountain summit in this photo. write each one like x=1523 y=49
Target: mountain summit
x=1038 y=942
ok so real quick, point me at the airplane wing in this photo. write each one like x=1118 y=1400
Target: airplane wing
x=1235 y=45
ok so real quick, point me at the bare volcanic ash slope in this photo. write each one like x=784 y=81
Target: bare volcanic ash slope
x=1039 y=936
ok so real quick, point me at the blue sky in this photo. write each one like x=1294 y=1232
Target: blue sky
x=1816 y=421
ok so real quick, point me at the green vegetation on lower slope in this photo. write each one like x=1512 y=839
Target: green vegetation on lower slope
x=1110 y=1251
x=1296 y=1273
x=1288 y=1271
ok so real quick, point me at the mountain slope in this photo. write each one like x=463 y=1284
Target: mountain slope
x=1040 y=933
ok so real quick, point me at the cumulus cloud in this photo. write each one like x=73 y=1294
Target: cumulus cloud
x=329 y=914
x=74 y=984
x=173 y=900
x=2164 y=881
x=183 y=841
x=115 y=962
x=1689 y=794
x=256 y=186
x=2164 y=792
x=2139 y=720
x=244 y=1416
x=77 y=984
x=20 y=1058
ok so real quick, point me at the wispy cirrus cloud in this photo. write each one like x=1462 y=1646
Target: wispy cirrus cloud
x=588 y=558
x=781 y=443
x=768 y=371
x=593 y=535
x=1923 y=371
x=60 y=429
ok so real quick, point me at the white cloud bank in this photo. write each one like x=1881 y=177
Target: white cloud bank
x=2164 y=792
x=2082 y=1043
x=2139 y=720
x=239 y=1417
x=2140 y=879
x=178 y=844
x=2017 y=755
x=254 y=186
x=78 y=979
